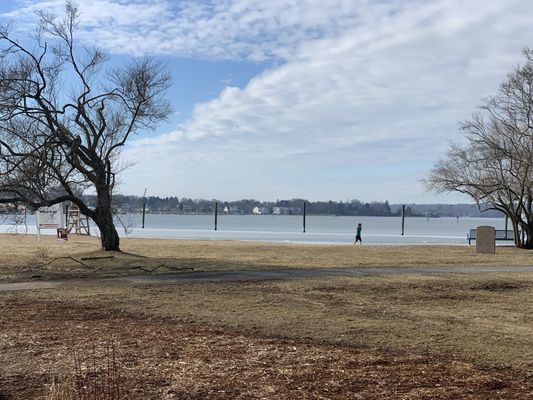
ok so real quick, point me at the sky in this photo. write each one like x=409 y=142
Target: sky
x=323 y=100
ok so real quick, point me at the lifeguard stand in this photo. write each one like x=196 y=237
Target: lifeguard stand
x=77 y=223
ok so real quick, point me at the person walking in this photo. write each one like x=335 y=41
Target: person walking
x=358 y=234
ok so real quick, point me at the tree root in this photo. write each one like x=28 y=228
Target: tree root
x=163 y=265
x=96 y=258
x=70 y=258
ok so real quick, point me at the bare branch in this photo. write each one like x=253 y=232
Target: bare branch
x=57 y=143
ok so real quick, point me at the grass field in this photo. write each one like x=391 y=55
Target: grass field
x=23 y=258
x=446 y=336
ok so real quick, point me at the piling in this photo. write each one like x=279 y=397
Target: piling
x=506 y=225
x=216 y=215
x=403 y=219
x=304 y=214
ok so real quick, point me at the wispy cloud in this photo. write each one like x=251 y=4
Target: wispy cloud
x=221 y=29
x=368 y=91
x=389 y=89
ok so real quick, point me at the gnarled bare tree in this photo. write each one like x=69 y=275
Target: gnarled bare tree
x=495 y=166
x=64 y=118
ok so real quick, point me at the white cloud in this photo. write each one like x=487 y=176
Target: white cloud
x=366 y=98
x=388 y=90
x=221 y=29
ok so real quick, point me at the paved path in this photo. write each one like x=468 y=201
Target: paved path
x=228 y=276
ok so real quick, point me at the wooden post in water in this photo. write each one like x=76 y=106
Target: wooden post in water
x=304 y=215
x=144 y=206
x=403 y=219
x=216 y=215
x=506 y=224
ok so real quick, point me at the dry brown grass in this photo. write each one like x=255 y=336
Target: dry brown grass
x=405 y=337
x=23 y=257
x=485 y=318
x=225 y=254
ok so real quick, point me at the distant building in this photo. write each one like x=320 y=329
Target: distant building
x=284 y=210
x=187 y=209
x=256 y=210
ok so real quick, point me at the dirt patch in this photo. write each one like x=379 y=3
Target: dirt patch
x=499 y=286
x=164 y=358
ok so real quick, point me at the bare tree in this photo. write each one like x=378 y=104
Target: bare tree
x=64 y=118
x=495 y=166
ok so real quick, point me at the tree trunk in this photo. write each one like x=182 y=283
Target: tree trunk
x=527 y=242
x=108 y=232
x=516 y=231
x=104 y=221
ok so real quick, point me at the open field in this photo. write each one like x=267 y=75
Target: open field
x=408 y=337
x=445 y=336
x=23 y=258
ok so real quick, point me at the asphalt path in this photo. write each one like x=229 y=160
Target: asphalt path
x=258 y=275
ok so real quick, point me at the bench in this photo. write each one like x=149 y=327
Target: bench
x=501 y=234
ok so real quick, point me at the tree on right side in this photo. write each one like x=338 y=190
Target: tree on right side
x=494 y=165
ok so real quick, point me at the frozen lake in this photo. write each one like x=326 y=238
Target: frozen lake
x=280 y=228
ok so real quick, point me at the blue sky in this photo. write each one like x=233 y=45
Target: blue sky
x=335 y=99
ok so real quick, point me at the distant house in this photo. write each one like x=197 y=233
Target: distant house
x=226 y=210
x=187 y=209
x=265 y=210
x=256 y=210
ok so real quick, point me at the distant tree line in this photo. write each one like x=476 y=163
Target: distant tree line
x=175 y=205
x=468 y=210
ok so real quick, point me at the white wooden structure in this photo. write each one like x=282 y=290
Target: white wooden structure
x=77 y=223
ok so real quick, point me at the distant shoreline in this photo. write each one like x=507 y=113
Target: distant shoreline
x=330 y=230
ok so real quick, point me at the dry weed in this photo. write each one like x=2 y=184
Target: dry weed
x=94 y=377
